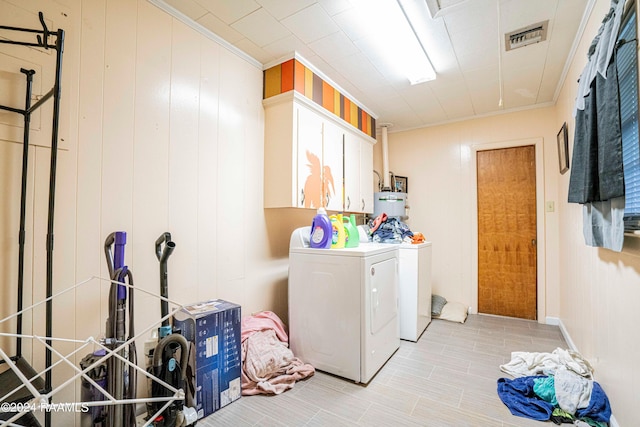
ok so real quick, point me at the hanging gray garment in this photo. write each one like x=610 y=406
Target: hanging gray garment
x=597 y=172
x=600 y=51
x=603 y=224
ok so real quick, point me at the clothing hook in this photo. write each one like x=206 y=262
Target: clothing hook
x=43 y=41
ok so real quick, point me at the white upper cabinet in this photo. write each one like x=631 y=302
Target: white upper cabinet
x=333 y=171
x=358 y=173
x=311 y=177
x=314 y=159
x=366 y=176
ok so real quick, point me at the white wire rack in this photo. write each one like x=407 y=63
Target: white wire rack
x=40 y=401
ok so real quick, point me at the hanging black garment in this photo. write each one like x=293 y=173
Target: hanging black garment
x=597 y=171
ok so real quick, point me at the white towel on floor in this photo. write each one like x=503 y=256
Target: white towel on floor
x=524 y=364
x=572 y=390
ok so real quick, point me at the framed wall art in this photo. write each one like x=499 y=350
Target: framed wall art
x=401 y=184
x=563 y=149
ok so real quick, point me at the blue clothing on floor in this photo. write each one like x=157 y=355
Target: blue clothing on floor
x=519 y=397
x=599 y=408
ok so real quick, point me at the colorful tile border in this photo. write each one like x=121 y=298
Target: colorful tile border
x=294 y=75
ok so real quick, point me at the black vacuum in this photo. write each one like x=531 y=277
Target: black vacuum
x=170 y=356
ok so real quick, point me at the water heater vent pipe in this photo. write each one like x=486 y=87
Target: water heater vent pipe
x=386 y=184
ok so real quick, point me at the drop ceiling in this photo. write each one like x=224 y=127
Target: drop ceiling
x=465 y=42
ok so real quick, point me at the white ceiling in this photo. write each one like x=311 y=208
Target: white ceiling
x=465 y=43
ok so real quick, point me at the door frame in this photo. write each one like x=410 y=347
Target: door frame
x=538 y=143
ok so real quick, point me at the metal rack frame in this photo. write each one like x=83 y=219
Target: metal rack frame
x=43 y=37
x=40 y=400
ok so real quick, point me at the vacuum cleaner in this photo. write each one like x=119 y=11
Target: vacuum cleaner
x=118 y=377
x=165 y=364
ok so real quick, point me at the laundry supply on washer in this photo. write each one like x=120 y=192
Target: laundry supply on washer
x=338 y=234
x=352 y=236
x=321 y=230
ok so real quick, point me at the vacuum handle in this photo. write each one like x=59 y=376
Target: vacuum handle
x=164 y=253
x=115 y=260
x=164 y=249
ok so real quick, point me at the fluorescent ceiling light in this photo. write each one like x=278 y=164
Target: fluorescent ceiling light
x=387 y=30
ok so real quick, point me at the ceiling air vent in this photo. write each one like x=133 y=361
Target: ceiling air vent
x=525 y=36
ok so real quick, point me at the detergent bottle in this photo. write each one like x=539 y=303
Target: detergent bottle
x=352 y=236
x=321 y=230
x=338 y=234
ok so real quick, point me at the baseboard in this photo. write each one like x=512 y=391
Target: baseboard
x=552 y=321
x=555 y=321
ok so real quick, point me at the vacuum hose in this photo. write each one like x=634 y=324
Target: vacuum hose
x=184 y=354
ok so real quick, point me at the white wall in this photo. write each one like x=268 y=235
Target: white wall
x=163 y=131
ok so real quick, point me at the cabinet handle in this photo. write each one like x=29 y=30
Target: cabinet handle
x=348 y=202
x=302 y=197
x=363 y=205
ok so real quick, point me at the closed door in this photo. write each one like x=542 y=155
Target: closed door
x=507 y=279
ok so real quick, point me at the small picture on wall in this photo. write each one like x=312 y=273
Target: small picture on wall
x=400 y=184
x=563 y=149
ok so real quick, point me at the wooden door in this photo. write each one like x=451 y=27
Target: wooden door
x=507 y=280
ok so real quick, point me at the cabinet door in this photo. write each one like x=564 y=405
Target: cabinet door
x=309 y=144
x=352 y=173
x=366 y=177
x=332 y=167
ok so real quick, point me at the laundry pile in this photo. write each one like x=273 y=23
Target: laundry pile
x=554 y=387
x=389 y=230
x=268 y=365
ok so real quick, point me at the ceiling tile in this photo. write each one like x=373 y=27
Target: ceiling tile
x=261 y=28
x=333 y=47
x=218 y=27
x=334 y=7
x=311 y=24
x=280 y=9
x=287 y=46
x=229 y=11
x=253 y=50
x=190 y=8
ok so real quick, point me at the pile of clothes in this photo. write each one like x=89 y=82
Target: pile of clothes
x=391 y=230
x=555 y=387
x=268 y=365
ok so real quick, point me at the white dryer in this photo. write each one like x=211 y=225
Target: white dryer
x=343 y=306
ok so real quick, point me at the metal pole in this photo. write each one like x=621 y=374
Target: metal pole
x=23 y=202
x=52 y=193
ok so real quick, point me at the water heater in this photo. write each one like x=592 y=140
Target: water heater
x=391 y=203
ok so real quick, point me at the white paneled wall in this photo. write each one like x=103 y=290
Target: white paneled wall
x=164 y=133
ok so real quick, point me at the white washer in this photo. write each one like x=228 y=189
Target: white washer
x=343 y=306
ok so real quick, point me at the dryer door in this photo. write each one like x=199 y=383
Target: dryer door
x=383 y=296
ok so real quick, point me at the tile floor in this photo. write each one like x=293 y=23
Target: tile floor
x=447 y=378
